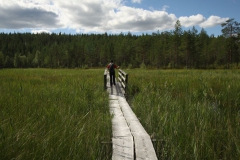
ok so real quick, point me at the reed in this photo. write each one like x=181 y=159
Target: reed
x=193 y=114
x=53 y=114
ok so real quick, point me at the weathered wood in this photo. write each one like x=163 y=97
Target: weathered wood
x=121 y=149
x=122 y=140
x=122 y=72
x=105 y=79
x=123 y=79
x=142 y=141
x=123 y=85
x=126 y=80
x=129 y=138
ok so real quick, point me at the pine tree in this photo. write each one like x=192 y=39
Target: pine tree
x=1 y=60
x=177 y=33
x=231 y=31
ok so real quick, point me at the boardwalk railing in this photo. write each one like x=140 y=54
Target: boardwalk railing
x=105 y=78
x=130 y=141
x=123 y=79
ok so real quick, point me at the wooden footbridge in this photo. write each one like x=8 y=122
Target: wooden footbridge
x=130 y=141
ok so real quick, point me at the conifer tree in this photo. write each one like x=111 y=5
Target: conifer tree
x=231 y=31
x=177 y=33
x=1 y=60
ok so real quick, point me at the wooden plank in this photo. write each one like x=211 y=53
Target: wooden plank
x=122 y=77
x=112 y=96
x=128 y=135
x=119 y=79
x=111 y=90
x=143 y=144
x=123 y=85
x=122 y=72
x=142 y=150
x=121 y=149
x=122 y=140
x=121 y=82
x=105 y=71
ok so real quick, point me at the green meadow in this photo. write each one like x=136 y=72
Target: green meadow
x=64 y=114
x=190 y=114
x=53 y=114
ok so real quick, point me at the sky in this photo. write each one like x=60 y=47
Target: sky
x=115 y=16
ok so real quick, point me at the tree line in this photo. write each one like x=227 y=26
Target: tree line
x=169 y=49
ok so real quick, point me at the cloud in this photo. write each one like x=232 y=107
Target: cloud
x=201 y=21
x=192 y=20
x=19 y=14
x=140 y=20
x=136 y=1
x=165 y=7
x=92 y=16
x=109 y=15
x=40 y=31
x=86 y=14
x=213 y=21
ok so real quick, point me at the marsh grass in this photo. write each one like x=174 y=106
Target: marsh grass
x=193 y=114
x=53 y=114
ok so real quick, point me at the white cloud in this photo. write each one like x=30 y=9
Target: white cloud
x=165 y=7
x=213 y=21
x=136 y=1
x=92 y=16
x=192 y=20
x=40 y=31
x=86 y=14
x=140 y=20
x=109 y=15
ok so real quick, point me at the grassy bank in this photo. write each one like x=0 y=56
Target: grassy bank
x=193 y=114
x=53 y=114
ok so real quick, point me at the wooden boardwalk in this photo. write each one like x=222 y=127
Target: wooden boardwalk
x=130 y=141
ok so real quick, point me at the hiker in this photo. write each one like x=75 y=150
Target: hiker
x=111 y=67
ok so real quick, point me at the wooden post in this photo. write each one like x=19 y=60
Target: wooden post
x=105 y=79
x=126 y=79
x=126 y=82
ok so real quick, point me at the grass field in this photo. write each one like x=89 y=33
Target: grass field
x=193 y=114
x=64 y=114
x=53 y=114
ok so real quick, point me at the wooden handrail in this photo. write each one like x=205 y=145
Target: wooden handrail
x=105 y=79
x=123 y=79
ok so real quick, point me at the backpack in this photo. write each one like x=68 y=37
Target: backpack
x=111 y=68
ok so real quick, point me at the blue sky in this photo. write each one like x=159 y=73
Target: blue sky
x=115 y=16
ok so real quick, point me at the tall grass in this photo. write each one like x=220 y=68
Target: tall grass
x=193 y=114
x=53 y=114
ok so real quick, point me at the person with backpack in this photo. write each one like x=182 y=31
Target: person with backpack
x=111 y=68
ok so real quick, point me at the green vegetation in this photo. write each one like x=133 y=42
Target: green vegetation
x=53 y=114
x=170 y=49
x=194 y=114
x=64 y=114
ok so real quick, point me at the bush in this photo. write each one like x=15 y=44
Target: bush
x=130 y=66
x=143 y=66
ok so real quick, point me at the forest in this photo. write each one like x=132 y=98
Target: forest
x=176 y=49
